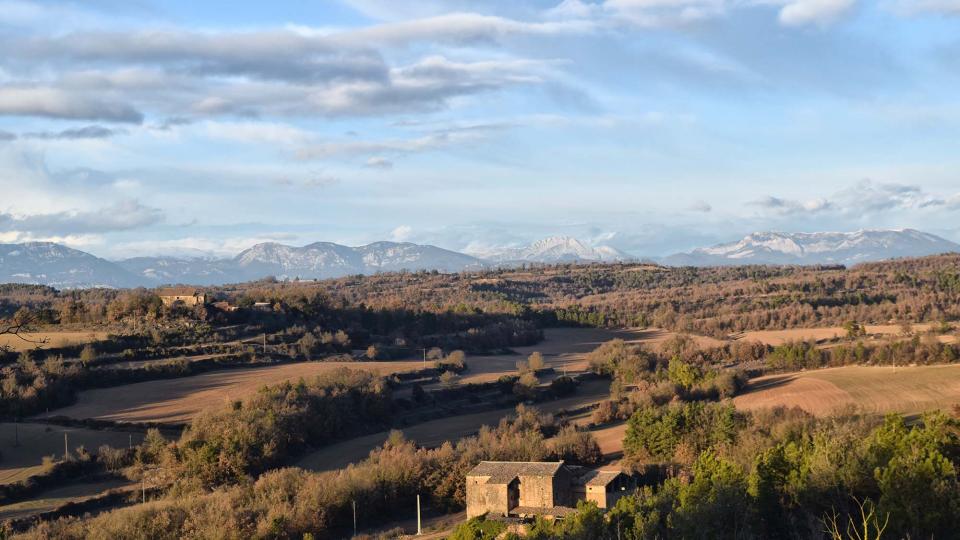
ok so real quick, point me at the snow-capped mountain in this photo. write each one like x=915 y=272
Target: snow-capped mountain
x=63 y=267
x=317 y=260
x=51 y=264
x=555 y=249
x=324 y=260
x=817 y=248
x=193 y=270
x=393 y=256
x=46 y=263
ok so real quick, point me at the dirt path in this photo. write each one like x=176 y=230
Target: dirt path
x=435 y=432
x=178 y=400
x=779 y=337
x=38 y=440
x=904 y=390
x=564 y=349
x=55 y=498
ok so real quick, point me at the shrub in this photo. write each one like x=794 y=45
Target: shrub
x=478 y=528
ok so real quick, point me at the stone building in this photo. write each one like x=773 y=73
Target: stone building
x=510 y=488
x=182 y=295
x=603 y=487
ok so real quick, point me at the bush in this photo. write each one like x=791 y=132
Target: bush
x=576 y=447
x=535 y=361
x=478 y=528
x=563 y=386
x=605 y=413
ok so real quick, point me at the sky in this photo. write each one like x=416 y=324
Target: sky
x=140 y=127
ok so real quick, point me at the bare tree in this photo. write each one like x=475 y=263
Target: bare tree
x=19 y=325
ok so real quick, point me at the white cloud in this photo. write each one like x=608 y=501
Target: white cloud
x=276 y=133
x=434 y=140
x=458 y=28
x=379 y=162
x=26 y=100
x=122 y=216
x=85 y=132
x=701 y=206
x=401 y=233
x=913 y=7
x=803 y=12
x=863 y=198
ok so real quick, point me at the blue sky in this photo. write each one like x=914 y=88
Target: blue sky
x=147 y=127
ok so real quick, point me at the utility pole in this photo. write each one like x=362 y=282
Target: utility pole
x=424 y=357
x=354 y=518
x=129 y=441
x=264 y=343
x=419 y=528
x=66 y=447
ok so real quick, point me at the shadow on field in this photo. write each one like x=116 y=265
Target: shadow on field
x=772 y=382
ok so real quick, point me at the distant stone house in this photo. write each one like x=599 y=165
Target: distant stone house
x=603 y=487
x=225 y=306
x=182 y=296
x=510 y=488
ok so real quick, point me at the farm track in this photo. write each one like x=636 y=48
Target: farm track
x=435 y=432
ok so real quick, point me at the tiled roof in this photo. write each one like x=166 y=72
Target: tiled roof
x=555 y=511
x=502 y=472
x=177 y=291
x=598 y=478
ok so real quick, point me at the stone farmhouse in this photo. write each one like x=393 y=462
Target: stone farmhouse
x=550 y=489
x=182 y=295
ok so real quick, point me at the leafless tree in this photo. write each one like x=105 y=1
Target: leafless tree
x=21 y=324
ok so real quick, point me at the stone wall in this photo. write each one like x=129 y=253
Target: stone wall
x=483 y=498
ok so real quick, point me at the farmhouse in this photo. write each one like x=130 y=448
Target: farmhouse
x=182 y=295
x=603 y=487
x=520 y=489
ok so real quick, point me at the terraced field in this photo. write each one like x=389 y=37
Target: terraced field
x=779 y=337
x=565 y=349
x=178 y=400
x=38 y=440
x=435 y=432
x=50 y=339
x=906 y=390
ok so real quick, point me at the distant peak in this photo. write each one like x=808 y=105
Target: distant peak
x=773 y=247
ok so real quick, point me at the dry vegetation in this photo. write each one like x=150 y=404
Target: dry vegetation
x=435 y=432
x=783 y=318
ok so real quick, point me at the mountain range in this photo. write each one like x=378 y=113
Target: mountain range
x=556 y=249
x=817 y=248
x=63 y=267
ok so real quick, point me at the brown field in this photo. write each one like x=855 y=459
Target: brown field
x=906 y=390
x=53 y=339
x=38 y=440
x=564 y=349
x=178 y=400
x=610 y=439
x=55 y=498
x=435 y=432
x=779 y=337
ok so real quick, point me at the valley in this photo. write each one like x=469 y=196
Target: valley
x=559 y=362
